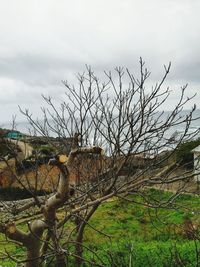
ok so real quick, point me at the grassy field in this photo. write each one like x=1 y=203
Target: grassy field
x=136 y=235
x=146 y=236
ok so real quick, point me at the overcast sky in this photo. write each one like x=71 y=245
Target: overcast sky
x=45 y=41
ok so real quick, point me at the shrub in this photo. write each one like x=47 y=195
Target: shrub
x=12 y=193
x=184 y=152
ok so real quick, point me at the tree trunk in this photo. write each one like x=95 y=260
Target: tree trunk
x=79 y=239
x=33 y=254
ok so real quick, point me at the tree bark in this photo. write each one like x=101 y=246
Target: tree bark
x=79 y=239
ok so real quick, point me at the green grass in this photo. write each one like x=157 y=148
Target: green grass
x=133 y=232
x=153 y=233
x=148 y=254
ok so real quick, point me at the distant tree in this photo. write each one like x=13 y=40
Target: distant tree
x=118 y=130
x=185 y=154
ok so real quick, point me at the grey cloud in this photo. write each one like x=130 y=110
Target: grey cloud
x=35 y=69
x=44 y=42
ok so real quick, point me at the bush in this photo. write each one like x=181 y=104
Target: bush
x=12 y=193
x=184 y=152
x=47 y=150
x=8 y=148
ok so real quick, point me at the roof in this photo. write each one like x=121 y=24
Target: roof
x=12 y=131
x=196 y=149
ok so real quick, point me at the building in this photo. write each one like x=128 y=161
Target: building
x=14 y=135
x=196 y=152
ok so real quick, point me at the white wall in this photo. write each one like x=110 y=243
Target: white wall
x=197 y=165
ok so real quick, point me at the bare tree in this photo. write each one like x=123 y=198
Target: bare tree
x=118 y=131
